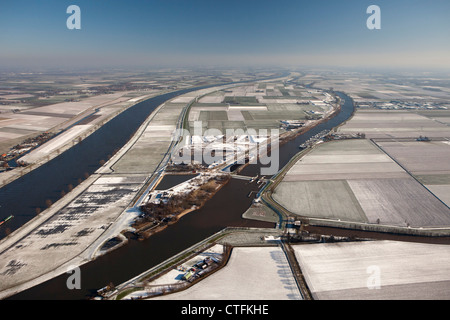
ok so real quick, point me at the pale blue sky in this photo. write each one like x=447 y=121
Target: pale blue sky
x=414 y=33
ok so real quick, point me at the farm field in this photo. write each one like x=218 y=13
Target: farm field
x=241 y=278
x=91 y=214
x=379 y=87
x=46 y=117
x=355 y=181
x=146 y=153
x=442 y=116
x=420 y=158
x=331 y=199
x=428 y=162
x=258 y=106
x=393 y=123
x=385 y=270
x=400 y=202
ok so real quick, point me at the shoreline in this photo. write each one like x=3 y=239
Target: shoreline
x=158 y=271
x=145 y=234
x=92 y=251
x=287 y=137
x=19 y=172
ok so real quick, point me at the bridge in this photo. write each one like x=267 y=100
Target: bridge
x=247 y=178
x=236 y=176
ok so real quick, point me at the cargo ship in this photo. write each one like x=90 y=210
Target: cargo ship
x=6 y=220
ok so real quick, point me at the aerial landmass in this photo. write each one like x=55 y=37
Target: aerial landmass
x=242 y=174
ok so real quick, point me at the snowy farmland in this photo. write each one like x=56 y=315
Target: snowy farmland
x=252 y=273
x=399 y=124
x=353 y=180
x=428 y=162
x=386 y=270
x=257 y=106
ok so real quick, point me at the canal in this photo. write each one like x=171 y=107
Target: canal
x=34 y=192
x=223 y=210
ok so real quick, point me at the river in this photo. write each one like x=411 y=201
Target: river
x=32 y=193
x=223 y=210
x=28 y=195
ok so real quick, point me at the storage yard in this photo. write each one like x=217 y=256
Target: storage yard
x=65 y=232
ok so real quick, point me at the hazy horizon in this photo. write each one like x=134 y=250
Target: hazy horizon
x=414 y=34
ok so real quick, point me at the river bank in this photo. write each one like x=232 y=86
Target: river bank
x=69 y=134
x=157 y=217
x=108 y=193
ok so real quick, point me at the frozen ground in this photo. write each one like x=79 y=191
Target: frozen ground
x=72 y=225
x=174 y=276
x=353 y=180
x=386 y=270
x=428 y=162
x=54 y=144
x=73 y=229
x=399 y=124
x=257 y=106
x=106 y=107
x=252 y=273
x=33 y=121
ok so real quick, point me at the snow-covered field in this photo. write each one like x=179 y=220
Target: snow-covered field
x=376 y=270
x=252 y=273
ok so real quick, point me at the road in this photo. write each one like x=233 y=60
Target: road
x=113 y=217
